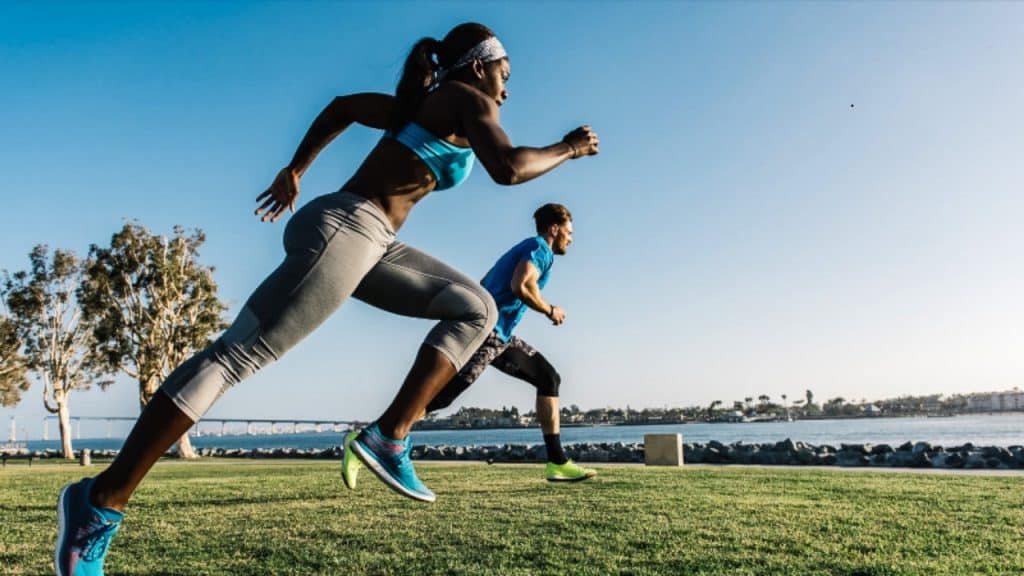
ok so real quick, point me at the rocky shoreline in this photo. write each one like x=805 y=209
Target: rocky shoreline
x=787 y=452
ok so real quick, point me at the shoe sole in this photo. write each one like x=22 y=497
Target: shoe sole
x=381 y=473
x=61 y=536
x=567 y=479
x=346 y=456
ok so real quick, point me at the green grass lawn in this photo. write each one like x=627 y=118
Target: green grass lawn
x=295 y=517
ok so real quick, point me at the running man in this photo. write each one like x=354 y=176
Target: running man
x=515 y=281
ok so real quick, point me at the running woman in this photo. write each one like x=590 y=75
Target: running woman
x=444 y=113
x=515 y=281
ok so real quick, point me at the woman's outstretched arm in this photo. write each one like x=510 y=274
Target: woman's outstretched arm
x=369 y=109
x=508 y=164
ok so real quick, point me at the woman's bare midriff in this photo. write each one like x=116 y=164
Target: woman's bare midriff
x=394 y=179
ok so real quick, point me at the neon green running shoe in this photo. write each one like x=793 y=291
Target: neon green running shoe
x=569 y=472
x=350 y=463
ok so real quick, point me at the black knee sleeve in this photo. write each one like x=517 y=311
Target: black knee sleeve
x=548 y=382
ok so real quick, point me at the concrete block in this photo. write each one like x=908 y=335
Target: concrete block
x=663 y=449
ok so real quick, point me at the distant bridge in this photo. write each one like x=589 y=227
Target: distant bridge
x=252 y=426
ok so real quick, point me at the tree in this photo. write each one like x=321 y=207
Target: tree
x=13 y=365
x=56 y=339
x=810 y=398
x=153 y=305
x=834 y=406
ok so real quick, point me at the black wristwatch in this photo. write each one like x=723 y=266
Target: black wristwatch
x=550 y=312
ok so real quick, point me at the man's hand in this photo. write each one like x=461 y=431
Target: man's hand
x=556 y=315
x=280 y=196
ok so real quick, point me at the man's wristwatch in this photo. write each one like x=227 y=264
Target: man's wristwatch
x=551 y=311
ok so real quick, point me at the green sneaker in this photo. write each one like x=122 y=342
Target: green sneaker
x=569 y=472
x=350 y=463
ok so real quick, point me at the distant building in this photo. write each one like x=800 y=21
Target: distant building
x=732 y=416
x=932 y=403
x=996 y=401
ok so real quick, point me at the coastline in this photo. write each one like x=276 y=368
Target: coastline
x=922 y=455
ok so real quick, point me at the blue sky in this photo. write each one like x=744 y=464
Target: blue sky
x=744 y=230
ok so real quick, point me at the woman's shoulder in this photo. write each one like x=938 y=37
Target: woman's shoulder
x=445 y=111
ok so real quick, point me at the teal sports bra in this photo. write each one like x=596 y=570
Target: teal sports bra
x=450 y=164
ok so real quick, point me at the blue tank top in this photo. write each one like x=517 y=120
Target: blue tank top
x=450 y=164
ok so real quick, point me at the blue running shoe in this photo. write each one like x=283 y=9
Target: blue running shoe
x=83 y=531
x=389 y=460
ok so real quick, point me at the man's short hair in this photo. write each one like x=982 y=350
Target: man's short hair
x=549 y=214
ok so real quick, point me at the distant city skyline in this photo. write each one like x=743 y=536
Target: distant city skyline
x=745 y=230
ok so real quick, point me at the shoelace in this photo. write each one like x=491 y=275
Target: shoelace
x=94 y=545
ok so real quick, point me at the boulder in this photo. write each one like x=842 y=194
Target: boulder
x=748 y=455
x=851 y=458
x=974 y=460
x=805 y=456
x=990 y=451
x=953 y=460
x=537 y=453
x=714 y=455
x=922 y=460
x=900 y=458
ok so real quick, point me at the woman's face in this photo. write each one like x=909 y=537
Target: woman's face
x=493 y=78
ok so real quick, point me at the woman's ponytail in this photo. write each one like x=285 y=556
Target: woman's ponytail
x=415 y=82
x=425 y=59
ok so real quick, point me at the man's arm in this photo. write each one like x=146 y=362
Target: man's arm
x=524 y=285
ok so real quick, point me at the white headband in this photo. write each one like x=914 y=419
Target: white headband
x=487 y=51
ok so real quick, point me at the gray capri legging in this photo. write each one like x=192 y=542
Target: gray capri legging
x=337 y=245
